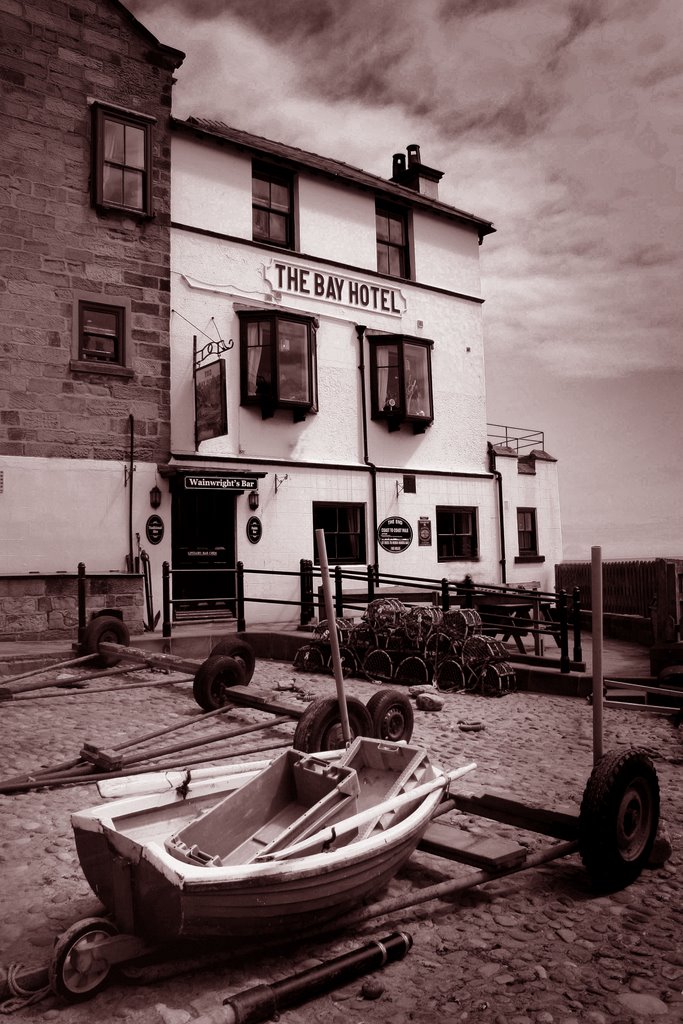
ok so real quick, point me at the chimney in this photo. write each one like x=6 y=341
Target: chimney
x=415 y=174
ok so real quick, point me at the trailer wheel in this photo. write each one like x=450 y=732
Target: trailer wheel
x=619 y=818
x=105 y=629
x=319 y=728
x=241 y=651
x=76 y=971
x=392 y=715
x=215 y=676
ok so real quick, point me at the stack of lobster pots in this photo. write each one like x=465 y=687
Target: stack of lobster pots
x=415 y=645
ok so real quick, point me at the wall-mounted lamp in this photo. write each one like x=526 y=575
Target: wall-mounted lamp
x=253 y=500
x=155 y=497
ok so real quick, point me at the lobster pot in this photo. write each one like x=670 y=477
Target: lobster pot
x=479 y=649
x=439 y=645
x=385 y=614
x=311 y=657
x=377 y=664
x=497 y=678
x=419 y=622
x=344 y=630
x=449 y=675
x=412 y=671
x=461 y=622
x=361 y=639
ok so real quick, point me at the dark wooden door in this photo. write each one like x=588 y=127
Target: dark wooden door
x=203 y=553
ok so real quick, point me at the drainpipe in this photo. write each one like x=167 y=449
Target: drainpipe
x=131 y=470
x=360 y=332
x=501 y=511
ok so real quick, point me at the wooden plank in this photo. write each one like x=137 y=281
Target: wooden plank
x=559 y=824
x=153 y=658
x=447 y=840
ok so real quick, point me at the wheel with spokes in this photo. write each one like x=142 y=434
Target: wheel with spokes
x=79 y=967
x=619 y=818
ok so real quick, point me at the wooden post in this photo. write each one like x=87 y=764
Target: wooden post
x=241 y=621
x=565 y=664
x=576 y=612
x=598 y=696
x=166 y=599
x=334 y=638
x=82 y=585
x=445 y=595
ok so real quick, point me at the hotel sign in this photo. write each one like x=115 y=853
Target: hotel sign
x=339 y=288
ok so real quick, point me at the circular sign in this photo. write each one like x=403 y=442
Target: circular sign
x=254 y=529
x=154 y=529
x=395 y=534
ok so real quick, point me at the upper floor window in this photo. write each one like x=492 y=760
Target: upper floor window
x=393 y=255
x=344 y=527
x=272 y=207
x=278 y=365
x=527 y=536
x=122 y=176
x=401 y=381
x=100 y=334
x=456 y=533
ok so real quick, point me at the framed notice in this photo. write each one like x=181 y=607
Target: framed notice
x=395 y=534
x=210 y=403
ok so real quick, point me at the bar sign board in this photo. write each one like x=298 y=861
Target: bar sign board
x=210 y=403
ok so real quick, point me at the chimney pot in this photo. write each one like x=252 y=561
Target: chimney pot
x=399 y=164
x=414 y=155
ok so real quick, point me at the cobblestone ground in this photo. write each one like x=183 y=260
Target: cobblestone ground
x=532 y=948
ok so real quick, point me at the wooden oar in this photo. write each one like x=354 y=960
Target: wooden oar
x=342 y=828
x=334 y=638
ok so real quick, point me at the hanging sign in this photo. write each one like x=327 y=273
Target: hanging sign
x=254 y=529
x=395 y=534
x=210 y=404
x=154 y=529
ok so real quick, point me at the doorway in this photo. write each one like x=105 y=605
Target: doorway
x=203 y=552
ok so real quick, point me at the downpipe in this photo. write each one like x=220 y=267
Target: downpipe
x=360 y=332
x=501 y=511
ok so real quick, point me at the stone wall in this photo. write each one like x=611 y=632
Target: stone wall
x=58 y=59
x=38 y=607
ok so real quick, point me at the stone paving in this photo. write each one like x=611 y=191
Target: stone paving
x=537 y=947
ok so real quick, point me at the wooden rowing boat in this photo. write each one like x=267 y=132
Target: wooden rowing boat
x=264 y=852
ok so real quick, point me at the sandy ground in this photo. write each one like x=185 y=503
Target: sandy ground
x=539 y=947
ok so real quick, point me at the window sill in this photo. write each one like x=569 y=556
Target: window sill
x=459 y=558
x=123 y=211
x=528 y=559
x=110 y=369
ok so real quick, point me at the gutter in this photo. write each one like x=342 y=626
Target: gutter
x=360 y=332
x=501 y=511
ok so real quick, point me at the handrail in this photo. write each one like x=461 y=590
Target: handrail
x=553 y=614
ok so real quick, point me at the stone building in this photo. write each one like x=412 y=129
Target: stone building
x=84 y=301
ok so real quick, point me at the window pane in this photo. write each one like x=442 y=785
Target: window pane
x=278 y=228
x=279 y=196
x=114 y=147
x=132 y=185
x=100 y=334
x=382 y=227
x=417 y=380
x=293 y=383
x=112 y=185
x=396 y=231
x=388 y=379
x=260 y=220
x=259 y=365
x=383 y=260
x=396 y=263
x=344 y=528
x=135 y=147
x=261 y=190
x=456 y=533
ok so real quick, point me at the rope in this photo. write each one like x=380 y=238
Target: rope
x=21 y=996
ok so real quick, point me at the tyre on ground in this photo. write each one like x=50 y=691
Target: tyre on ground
x=105 y=629
x=213 y=679
x=320 y=728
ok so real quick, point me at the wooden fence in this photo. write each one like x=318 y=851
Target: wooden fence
x=650 y=589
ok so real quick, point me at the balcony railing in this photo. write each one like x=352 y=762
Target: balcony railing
x=522 y=439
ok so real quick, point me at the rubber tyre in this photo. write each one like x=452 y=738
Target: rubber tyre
x=619 y=818
x=241 y=651
x=319 y=728
x=392 y=715
x=68 y=981
x=213 y=680
x=105 y=629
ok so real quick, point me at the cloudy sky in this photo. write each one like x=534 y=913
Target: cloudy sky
x=560 y=121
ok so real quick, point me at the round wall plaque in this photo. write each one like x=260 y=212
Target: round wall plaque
x=154 y=529
x=254 y=529
x=395 y=534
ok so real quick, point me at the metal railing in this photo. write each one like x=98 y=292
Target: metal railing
x=541 y=613
x=519 y=438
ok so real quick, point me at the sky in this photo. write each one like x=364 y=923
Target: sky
x=558 y=120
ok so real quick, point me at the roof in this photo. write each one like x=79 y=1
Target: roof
x=175 y=57
x=301 y=159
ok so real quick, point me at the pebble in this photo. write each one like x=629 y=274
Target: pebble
x=643 y=1003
